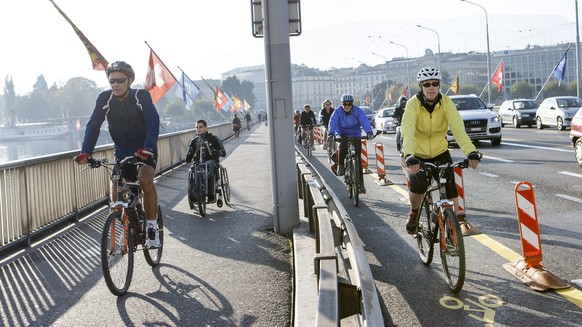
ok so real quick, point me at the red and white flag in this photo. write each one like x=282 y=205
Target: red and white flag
x=158 y=79
x=497 y=78
x=219 y=99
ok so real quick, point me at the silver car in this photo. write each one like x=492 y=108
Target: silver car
x=385 y=121
x=557 y=111
x=518 y=112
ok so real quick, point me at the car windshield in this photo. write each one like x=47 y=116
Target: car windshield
x=388 y=113
x=367 y=110
x=519 y=105
x=568 y=103
x=468 y=103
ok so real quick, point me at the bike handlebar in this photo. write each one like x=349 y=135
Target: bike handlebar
x=460 y=164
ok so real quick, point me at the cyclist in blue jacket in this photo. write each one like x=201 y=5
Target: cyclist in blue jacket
x=348 y=120
x=134 y=125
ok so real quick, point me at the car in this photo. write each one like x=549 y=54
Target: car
x=518 y=112
x=557 y=111
x=384 y=121
x=576 y=136
x=480 y=122
x=369 y=113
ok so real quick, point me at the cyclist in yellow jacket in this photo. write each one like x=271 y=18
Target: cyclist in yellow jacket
x=427 y=117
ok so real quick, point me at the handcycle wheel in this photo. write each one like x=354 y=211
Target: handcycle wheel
x=425 y=236
x=453 y=252
x=225 y=184
x=117 y=254
x=356 y=180
x=153 y=256
x=201 y=195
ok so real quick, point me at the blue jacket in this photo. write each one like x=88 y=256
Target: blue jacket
x=349 y=124
x=133 y=123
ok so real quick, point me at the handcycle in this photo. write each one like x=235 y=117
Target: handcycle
x=438 y=223
x=199 y=188
x=125 y=228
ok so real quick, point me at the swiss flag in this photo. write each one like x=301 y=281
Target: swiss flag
x=219 y=99
x=497 y=78
x=158 y=79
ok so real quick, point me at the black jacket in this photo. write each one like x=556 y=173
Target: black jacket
x=214 y=145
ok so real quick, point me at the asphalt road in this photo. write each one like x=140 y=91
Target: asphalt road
x=415 y=295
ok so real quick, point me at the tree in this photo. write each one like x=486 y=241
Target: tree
x=244 y=90
x=76 y=98
x=552 y=89
x=522 y=89
x=10 y=100
x=468 y=89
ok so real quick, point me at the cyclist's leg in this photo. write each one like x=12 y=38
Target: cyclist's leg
x=343 y=151
x=418 y=186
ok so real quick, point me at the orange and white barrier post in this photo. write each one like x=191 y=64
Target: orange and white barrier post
x=458 y=172
x=364 y=157
x=530 y=270
x=380 y=168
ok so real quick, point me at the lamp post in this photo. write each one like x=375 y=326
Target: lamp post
x=386 y=63
x=407 y=67
x=438 y=44
x=488 y=52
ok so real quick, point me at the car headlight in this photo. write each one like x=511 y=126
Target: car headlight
x=495 y=119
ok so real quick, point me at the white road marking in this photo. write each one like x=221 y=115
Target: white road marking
x=536 y=147
x=570 y=174
x=488 y=174
x=495 y=158
x=568 y=197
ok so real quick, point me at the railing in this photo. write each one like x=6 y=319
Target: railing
x=38 y=193
x=345 y=284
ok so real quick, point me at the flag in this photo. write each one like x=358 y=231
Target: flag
x=159 y=79
x=219 y=99
x=246 y=105
x=497 y=78
x=237 y=104
x=99 y=63
x=455 y=86
x=390 y=93
x=560 y=69
x=404 y=92
x=228 y=105
x=188 y=91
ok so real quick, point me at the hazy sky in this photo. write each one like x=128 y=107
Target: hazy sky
x=206 y=38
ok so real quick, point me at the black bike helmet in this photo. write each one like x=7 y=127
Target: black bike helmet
x=401 y=103
x=121 y=66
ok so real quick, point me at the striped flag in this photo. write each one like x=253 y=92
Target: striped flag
x=455 y=86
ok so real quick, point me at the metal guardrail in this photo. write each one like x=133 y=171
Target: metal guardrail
x=345 y=284
x=37 y=194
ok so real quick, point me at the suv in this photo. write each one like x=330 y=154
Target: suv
x=576 y=136
x=518 y=112
x=480 y=122
x=557 y=111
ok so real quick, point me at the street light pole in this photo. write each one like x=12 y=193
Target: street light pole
x=578 y=68
x=438 y=44
x=386 y=63
x=488 y=52
x=407 y=67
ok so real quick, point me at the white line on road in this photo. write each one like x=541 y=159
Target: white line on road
x=537 y=147
x=488 y=174
x=570 y=174
x=498 y=159
x=567 y=197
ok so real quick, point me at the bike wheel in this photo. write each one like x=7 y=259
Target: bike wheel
x=356 y=181
x=349 y=178
x=452 y=251
x=201 y=196
x=117 y=254
x=153 y=256
x=225 y=184
x=425 y=236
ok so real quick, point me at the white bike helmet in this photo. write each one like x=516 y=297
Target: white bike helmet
x=428 y=73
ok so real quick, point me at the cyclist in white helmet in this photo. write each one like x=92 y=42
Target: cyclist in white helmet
x=426 y=119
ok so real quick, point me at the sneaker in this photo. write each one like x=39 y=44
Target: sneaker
x=341 y=170
x=362 y=188
x=412 y=222
x=153 y=241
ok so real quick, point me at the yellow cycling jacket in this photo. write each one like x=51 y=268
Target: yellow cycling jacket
x=424 y=134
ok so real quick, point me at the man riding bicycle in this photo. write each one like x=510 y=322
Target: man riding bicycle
x=307 y=121
x=398 y=112
x=326 y=111
x=211 y=158
x=134 y=127
x=348 y=120
x=427 y=117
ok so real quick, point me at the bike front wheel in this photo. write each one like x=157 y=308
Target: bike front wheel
x=225 y=186
x=201 y=196
x=425 y=235
x=117 y=253
x=356 y=181
x=153 y=256
x=452 y=250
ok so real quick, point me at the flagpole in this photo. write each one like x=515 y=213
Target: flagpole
x=163 y=63
x=552 y=73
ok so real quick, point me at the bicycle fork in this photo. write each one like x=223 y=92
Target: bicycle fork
x=442 y=205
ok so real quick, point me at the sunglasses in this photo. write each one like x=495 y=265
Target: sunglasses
x=117 y=80
x=429 y=84
x=347 y=104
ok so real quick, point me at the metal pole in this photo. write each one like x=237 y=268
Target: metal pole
x=438 y=45
x=387 y=78
x=578 y=59
x=488 y=52
x=407 y=67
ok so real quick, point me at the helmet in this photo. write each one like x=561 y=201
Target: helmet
x=297 y=111
x=121 y=66
x=347 y=98
x=401 y=103
x=428 y=73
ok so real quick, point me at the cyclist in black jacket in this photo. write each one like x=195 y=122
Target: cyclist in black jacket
x=307 y=120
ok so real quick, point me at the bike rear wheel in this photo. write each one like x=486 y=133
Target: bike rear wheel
x=117 y=253
x=153 y=256
x=201 y=195
x=225 y=184
x=452 y=251
x=425 y=235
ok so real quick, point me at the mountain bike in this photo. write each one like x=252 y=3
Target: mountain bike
x=125 y=228
x=331 y=149
x=199 y=188
x=438 y=223
x=309 y=140
x=352 y=166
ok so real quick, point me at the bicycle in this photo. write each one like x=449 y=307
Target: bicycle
x=309 y=140
x=352 y=166
x=198 y=186
x=331 y=149
x=438 y=223
x=125 y=228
